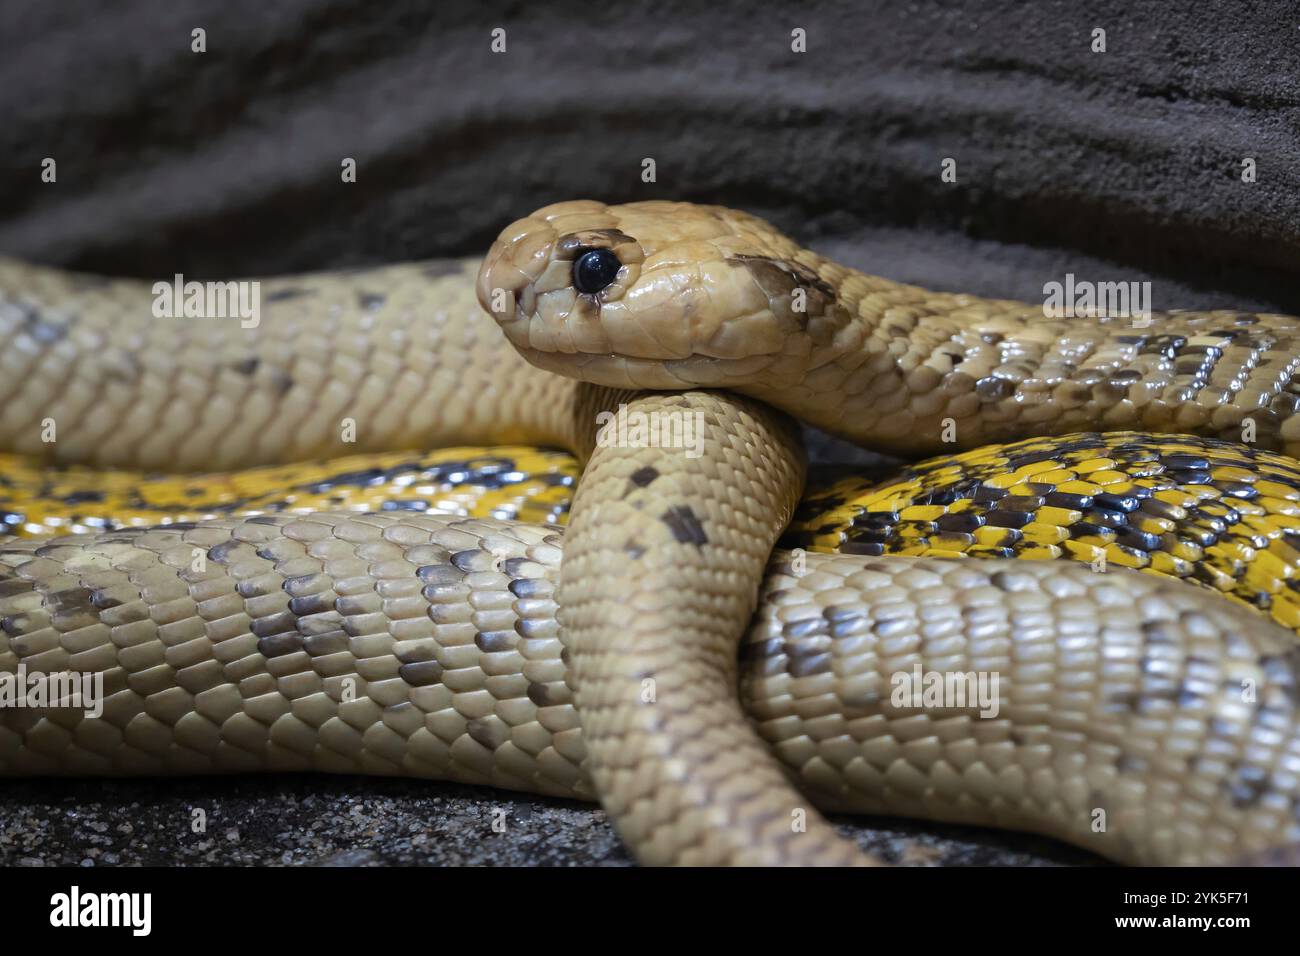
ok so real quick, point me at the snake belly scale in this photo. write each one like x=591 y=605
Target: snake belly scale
x=1136 y=710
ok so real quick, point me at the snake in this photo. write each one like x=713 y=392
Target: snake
x=398 y=643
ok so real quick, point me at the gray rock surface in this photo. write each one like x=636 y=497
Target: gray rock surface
x=1117 y=165
x=357 y=821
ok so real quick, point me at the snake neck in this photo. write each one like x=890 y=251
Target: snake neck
x=902 y=369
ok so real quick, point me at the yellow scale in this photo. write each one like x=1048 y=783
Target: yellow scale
x=513 y=482
x=1222 y=515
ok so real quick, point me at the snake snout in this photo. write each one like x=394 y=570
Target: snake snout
x=555 y=281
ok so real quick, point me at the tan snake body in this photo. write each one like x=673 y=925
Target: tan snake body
x=665 y=552
x=442 y=632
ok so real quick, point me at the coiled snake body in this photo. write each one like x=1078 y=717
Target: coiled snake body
x=413 y=644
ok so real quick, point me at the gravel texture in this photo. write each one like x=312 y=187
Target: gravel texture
x=357 y=821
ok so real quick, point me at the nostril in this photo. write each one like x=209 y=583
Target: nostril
x=594 y=270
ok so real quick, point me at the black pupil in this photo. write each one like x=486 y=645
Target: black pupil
x=594 y=270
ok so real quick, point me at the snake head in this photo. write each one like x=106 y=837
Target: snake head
x=661 y=295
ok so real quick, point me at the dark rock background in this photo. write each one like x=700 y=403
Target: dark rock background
x=1117 y=165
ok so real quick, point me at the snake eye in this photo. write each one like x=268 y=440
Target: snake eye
x=594 y=270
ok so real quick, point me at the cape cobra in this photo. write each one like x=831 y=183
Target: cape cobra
x=666 y=551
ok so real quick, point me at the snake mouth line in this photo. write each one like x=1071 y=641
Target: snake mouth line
x=621 y=371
